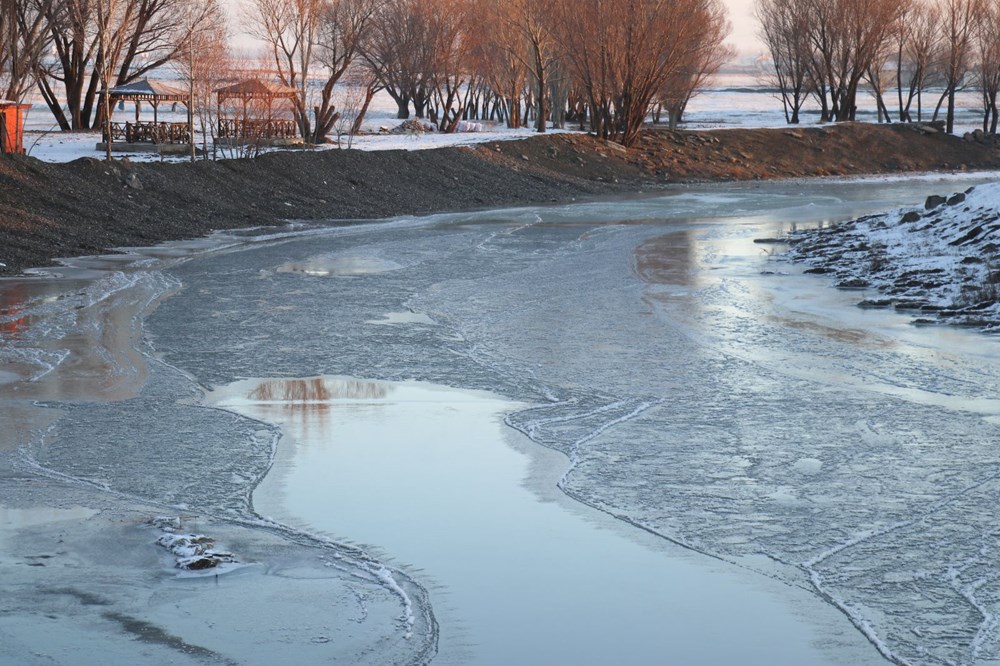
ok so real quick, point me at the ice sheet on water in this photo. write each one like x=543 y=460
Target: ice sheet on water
x=163 y=447
x=714 y=417
x=127 y=449
x=46 y=322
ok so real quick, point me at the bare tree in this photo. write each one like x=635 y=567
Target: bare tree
x=701 y=60
x=345 y=28
x=500 y=56
x=622 y=55
x=71 y=25
x=917 y=42
x=449 y=23
x=352 y=99
x=201 y=58
x=988 y=62
x=106 y=11
x=958 y=24
x=878 y=66
x=23 y=41
x=784 y=29
x=400 y=54
x=822 y=36
x=363 y=79
x=849 y=37
x=533 y=21
x=290 y=29
x=139 y=37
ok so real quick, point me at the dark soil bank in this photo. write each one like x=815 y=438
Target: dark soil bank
x=89 y=206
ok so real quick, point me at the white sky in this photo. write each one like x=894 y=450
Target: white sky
x=743 y=37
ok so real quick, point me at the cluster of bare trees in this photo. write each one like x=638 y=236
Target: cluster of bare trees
x=22 y=41
x=593 y=61
x=71 y=49
x=829 y=49
x=602 y=64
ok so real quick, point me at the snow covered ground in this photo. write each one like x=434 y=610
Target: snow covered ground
x=939 y=260
x=43 y=140
x=732 y=100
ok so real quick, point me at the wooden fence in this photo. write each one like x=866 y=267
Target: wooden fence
x=254 y=128
x=158 y=133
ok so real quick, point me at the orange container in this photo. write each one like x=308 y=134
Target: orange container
x=12 y=126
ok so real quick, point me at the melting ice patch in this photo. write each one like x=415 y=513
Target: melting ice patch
x=390 y=318
x=46 y=315
x=340 y=265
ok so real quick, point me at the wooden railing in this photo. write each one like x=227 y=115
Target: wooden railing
x=253 y=128
x=149 y=133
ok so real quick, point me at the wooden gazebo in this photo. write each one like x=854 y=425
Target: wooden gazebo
x=156 y=135
x=12 y=126
x=246 y=112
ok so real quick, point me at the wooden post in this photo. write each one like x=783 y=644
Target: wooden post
x=190 y=103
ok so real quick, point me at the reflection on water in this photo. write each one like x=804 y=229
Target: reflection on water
x=308 y=402
x=430 y=479
x=317 y=389
x=667 y=259
x=73 y=338
x=334 y=265
x=854 y=336
x=12 y=316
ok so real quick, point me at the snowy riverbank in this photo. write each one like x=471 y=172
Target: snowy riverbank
x=939 y=261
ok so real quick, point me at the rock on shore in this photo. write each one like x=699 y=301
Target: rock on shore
x=940 y=261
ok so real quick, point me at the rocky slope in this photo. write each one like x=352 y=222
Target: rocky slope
x=940 y=261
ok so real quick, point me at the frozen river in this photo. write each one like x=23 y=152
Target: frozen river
x=609 y=432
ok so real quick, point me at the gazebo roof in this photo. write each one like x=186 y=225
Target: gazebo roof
x=256 y=89
x=145 y=90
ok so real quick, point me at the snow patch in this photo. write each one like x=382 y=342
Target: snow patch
x=940 y=261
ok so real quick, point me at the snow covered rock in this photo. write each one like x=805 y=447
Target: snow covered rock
x=413 y=126
x=194 y=552
x=940 y=261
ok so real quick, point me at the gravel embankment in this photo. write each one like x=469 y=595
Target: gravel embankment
x=89 y=206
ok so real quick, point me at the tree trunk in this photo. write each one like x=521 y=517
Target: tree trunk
x=360 y=118
x=541 y=113
x=53 y=103
x=420 y=102
x=950 y=124
x=402 y=104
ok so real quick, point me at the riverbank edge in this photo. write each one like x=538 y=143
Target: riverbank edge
x=87 y=207
x=937 y=263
